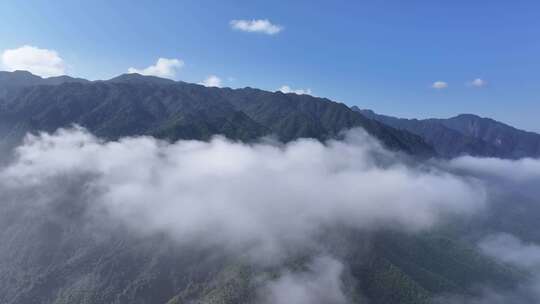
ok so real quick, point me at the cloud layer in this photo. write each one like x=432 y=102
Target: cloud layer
x=263 y=26
x=262 y=199
x=166 y=68
x=268 y=201
x=42 y=62
x=522 y=170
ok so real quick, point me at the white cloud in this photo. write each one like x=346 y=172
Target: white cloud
x=287 y=89
x=256 y=26
x=478 y=83
x=514 y=181
x=265 y=200
x=439 y=85
x=262 y=199
x=511 y=250
x=164 y=67
x=212 y=81
x=319 y=283
x=38 y=61
x=520 y=170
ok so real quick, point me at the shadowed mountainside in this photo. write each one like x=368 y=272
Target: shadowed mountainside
x=133 y=104
x=467 y=134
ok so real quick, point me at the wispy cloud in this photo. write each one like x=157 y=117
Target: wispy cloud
x=42 y=62
x=287 y=89
x=439 y=85
x=164 y=67
x=212 y=81
x=319 y=283
x=505 y=180
x=256 y=26
x=510 y=249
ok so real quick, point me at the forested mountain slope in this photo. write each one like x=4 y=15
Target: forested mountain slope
x=467 y=134
x=132 y=104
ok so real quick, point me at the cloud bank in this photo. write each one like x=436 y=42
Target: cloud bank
x=263 y=26
x=521 y=170
x=164 y=67
x=42 y=62
x=262 y=199
x=269 y=201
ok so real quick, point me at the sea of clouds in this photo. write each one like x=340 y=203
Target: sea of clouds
x=264 y=200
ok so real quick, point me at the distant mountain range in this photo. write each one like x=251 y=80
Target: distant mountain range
x=132 y=104
x=25 y=78
x=466 y=134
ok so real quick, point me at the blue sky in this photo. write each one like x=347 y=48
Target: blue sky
x=383 y=55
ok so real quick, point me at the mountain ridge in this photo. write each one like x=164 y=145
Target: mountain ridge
x=25 y=78
x=251 y=114
x=467 y=134
x=133 y=104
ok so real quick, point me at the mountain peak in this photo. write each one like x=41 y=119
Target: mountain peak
x=63 y=79
x=467 y=134
x=20 y=78
x=366 y=112
x=23 y=73
x=467 y=116
x=135 y=78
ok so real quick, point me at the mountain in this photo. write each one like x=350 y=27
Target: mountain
x=46 y=260
x=509 y=141
x=19 y=78
x=467 y=134
x=12 y=82
x=48 y=256
x=132 y=104
x=113 y=110
x=134 y=78
x=25 y=78
x=292 y=116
